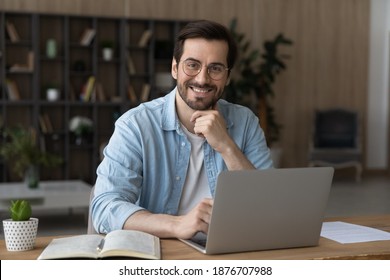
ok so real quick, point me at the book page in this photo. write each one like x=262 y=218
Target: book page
x=132 y=244
x=81 y=246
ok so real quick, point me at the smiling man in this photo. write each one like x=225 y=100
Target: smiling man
x=160 y=166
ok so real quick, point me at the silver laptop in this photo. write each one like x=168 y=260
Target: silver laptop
x=266 y=209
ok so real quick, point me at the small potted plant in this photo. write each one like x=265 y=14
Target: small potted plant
x=21 y=149
x=52 y=92
x=82 y=128
x=20 y=231
x=107 y=49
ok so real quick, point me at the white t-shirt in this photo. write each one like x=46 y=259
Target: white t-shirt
x=196 y=186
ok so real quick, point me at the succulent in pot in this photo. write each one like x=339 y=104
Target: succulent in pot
x=20 y=210
x=20 y=231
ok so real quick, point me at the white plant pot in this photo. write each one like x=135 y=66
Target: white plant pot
x=20 y=235
x=108 y=54
x=52 y=94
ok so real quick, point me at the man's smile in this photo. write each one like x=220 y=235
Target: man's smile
x=201 y=91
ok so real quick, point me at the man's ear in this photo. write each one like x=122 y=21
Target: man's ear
x=227 y=82
x=174 y=69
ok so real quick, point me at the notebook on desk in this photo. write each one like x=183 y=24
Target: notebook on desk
x=266 y=209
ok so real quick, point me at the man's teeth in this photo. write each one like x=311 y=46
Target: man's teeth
x=200 y=90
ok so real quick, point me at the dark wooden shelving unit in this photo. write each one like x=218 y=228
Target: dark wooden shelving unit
x=69 y=70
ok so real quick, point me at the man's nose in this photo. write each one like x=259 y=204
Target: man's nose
x=203 y=76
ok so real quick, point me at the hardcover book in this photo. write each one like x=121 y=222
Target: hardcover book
x=116 y=244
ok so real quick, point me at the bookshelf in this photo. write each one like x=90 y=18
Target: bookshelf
x=64 y=52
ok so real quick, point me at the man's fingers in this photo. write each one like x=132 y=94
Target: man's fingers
x=206 y=206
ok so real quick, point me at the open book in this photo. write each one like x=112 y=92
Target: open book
x=119 y=243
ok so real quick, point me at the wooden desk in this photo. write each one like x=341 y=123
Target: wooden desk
x=327 y=249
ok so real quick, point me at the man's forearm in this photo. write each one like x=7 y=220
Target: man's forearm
x=235 y=159
x=167 y=226
x=160 y=225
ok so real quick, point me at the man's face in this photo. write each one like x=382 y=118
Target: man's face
x=201 y=92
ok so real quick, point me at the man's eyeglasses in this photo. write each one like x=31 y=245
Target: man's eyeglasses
x=216 y=71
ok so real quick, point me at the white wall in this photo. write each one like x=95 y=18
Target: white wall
x=378 y=86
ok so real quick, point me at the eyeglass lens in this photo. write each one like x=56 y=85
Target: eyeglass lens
x=193 y=68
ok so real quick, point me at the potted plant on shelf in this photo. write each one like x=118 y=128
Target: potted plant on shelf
x=21 y=229
x=82 y=128
x=107 y=49
x=253 y=77
x=52 y=92
x=21 y=149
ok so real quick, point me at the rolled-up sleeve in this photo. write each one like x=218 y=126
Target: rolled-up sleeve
x=119 y=180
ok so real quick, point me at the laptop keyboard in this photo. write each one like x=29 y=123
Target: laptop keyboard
x=200 y=238
x=201 y=242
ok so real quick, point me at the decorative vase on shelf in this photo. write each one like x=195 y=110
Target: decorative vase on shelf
x=108 y=54
x=31 y=177
x=52 y=94
x=51 y=48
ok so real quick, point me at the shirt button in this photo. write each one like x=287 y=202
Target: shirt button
x=183 y=144
x=177 y=178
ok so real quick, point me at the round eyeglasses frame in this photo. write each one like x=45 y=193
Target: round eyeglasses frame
x=216 y=76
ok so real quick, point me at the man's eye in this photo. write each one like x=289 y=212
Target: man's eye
x=216 y=68
x=192 y=65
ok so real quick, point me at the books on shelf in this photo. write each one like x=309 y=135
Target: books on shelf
x=72 y=92
x=88 y=89
x=100 y=95
x=12 y=90
x=30 y=60
x=131 y=94
x=12 y=33
x=42 y=124
x=27 y=67
x=116 y=99
x=45 y=123
x=87 y=36
x=145 y=92
x=119 y=243
x=130 y=65
x=145 y=38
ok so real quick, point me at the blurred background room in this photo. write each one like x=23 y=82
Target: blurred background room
x=58 y=82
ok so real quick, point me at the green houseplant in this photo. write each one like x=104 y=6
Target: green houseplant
x=20 y=230
x=82 y=128
x=20 y=148
x=20 y=210
x=252 y=79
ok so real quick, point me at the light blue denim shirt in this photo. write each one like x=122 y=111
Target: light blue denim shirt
x=145 y=162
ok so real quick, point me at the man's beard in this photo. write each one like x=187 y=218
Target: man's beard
x=198 y=103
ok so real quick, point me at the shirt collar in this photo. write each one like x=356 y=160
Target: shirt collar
x=169 y=120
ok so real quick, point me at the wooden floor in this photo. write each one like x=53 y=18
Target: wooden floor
x=347 y=198
x=370 y=196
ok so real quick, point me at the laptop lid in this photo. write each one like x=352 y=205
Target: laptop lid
x=267 y=209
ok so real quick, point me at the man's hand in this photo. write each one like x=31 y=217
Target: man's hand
x=211 y=125
x=168 y=226
x=196 y=220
